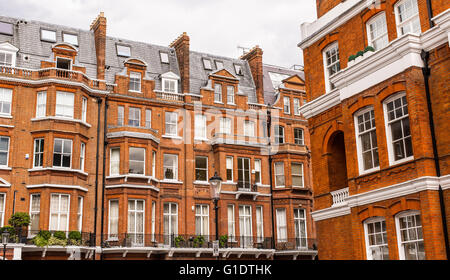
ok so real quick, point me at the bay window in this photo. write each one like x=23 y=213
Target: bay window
x=64 y=104
x=113 y=219
x=114 y=161
x=249 y=128
x=377 y=34
x=297 y=175
x=200 y=127
x=35 y=213
x=120 y=115
x=407 y=17
x=279 y=134
x=38 y=160
x=80 y=214
x=281 y=225
x=5 y=101
x=229 y=166
x=300 y=228
x=84 y=108
x=136 y=221
x=298 y=136
x=41 y=104
x=134 y=117
x=62 y=153
x=136 y=161
x=279 y=174
x=59 y=212
x=225 y=126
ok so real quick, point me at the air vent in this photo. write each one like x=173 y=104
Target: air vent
x=25 y=57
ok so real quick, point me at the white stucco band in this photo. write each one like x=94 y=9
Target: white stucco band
x=402 y=189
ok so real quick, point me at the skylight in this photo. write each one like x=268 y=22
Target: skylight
x=70 y=38
x=164 y=57
x=219 y=65
x=123 y=50
x=207 y=64
x=48 y=35
x=6 y=28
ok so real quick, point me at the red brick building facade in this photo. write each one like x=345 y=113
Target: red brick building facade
x=117 y=139
x=378 y=120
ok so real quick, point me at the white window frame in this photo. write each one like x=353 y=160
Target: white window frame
x=131 y=116
x=326 y=66
x=200 y=127
x=2 y=210
x=111 y=162
x=359 y=142
x=120 y=115
x=111 y=219
x=39 y=152
x=296 y=106
x=366 y=235
x=154 y=164
x=80 y=213
x=225 y=125
x=249 y=128
x=387 y=126
x=135 y=80
x=5 y=97
x=230 y=159
x=66 y=59
x=47 y=38
x=59 y=212
x=169 y=85
x=238 y=69
x=133 y=232
x=62 y=152
x=153 y=221
x=6 y=151
x=148 y=118
x=218 y=98
x=123 y=50
x=219 y=64
x=65 y=110
x=82 y=155
x=171 y=123
x=174 y=167
x=170 y=216
x=277 y=135
x=84 y=101
x=281 y=224
x=381 y=37
x=137 y=161
x=230 y=95
x=33 y=213
x=206 y=170
x=205 y=65
x=258 y=175
x=164 y=57
x=298 y=175
x=242 y=172
x=202 y=216
x=302 y=139
x=259 y=223
x=287 y=105
x=408 y=21
x=281 y=174
x=298 y=220
x=244 y=231
x=231 y=223
x=8 y=49
x=41 y=104
x=397 y=225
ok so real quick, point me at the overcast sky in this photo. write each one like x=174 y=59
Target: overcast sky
x=214 y=26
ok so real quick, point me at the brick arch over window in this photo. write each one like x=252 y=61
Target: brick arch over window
x=373 y=12
x=404 y=204
x=329 y=39
x=372 y=211
x=390 y=90
x=361 y=103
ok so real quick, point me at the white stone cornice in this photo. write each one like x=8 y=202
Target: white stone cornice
x=57 y=186
x=132 y=186
x=320 y=104
x=132 y=134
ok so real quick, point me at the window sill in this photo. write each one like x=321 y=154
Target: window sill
x=206 y=183
x=229 y=183
x=172 y=137
x=5 y=167
x=6 y=116
x=368 y=171
x=60 y=119
x=168 y=181
x=400 y=161
x=134 y=91
x=218 y=102
x=201 y=139
x=36 y=169
x=231 y=104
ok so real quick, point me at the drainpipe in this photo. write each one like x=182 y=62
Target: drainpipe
x=105 y=144
x=430 y=13
x=269 y=125
x=99 y=102
x=426 y=74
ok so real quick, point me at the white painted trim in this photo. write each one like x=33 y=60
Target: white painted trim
x=401 y=253
x=9 y=49
x=358 y=141
x=57 y=118
x=75 y=187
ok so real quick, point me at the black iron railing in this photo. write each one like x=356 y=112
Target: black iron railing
x=298 y=244
x=44 y=238
x=246 y=186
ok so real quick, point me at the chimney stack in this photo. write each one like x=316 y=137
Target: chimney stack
x=98 y=26
x=181 y=46
x=254 y=58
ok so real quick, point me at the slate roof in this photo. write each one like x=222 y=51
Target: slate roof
x=270 y=93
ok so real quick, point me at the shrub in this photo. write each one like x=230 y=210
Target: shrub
x=178 y=240
x=352 y=57
x=369 y=48
x=56 y=241
x=223 y=239
x=10 y=229
x=198 y=241
x=75 y=235
x=59 y=235
x=45 y=234
x=40 y=241
x=360 y=53
x=19 y=219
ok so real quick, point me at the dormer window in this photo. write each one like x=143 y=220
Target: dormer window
x=63 y=63
x=219 y=65
x=164 y=57
x=135 y=81
x=170 y=85
x=207 y=64
x=70 y=38
x=48 y=35
x=238 y=69
x=6 y=59
x=8 y=54
x=123 y=50
x=6 y=28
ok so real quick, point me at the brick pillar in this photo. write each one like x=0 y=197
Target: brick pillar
x=181 y=46
x=98 y=26
x=254 y=58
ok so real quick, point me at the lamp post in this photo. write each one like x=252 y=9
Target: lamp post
x=216 y=185
x=5 y=239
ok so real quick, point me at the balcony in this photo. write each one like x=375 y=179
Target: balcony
x=169 y=96
x=339 y=197
x=52 y=73
x=296 y=246
x=289 y=148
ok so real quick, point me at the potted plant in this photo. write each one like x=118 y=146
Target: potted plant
x=74 y=238
x=223 y=240
x=41 y=239
x=178 y=240
x=351 y=60
x=198 y=241
x=368 y=51
x=19 y=221
x=359 y=55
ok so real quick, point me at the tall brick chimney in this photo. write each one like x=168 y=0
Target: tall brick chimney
x=99 y=28
x=254 y=58
x=181 y=45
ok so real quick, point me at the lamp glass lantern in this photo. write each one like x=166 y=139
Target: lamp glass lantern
x=5 y=238
x=216 y=185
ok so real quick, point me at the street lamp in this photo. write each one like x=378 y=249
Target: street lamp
x=5 y=239
x=216 y=185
